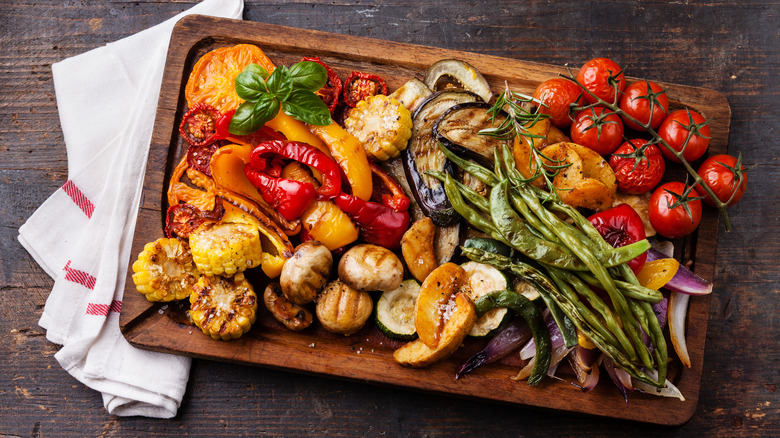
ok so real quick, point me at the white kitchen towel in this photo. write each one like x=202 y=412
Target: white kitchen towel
x=81 y=235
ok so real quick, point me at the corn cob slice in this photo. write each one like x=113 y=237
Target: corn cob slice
x=164 y=270
x=223 y=307
x=382 y=125
x=226 y=248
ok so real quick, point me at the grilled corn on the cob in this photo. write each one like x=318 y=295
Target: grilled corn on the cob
x=226 y=248
x=382 y=125
x=223 y=307
x=164 y=270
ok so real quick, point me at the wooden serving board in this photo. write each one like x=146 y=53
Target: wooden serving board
x=367 y=355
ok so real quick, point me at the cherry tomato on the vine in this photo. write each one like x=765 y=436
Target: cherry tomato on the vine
x=674 y=131
x=720 y=173
x=597 y=128
x=678 y=221
x=637 y=100
x=600 y=76
x=637 y=169
x=557 y=95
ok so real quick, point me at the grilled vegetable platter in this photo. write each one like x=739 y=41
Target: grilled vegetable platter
x=444 y=222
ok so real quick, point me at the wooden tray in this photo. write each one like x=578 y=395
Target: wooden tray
x=367 y=355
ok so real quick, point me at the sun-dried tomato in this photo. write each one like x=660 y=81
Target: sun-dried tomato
x=199 y=125
x=199 y=157
x=332 y=90
x=183 y=219
x=360 y=85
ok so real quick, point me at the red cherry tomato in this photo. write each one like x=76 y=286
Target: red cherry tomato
x=677 y=221
x=620 y=226
x=674 y=130
x=597 y=128
x=637 y=99
x=720 y=173
x=637 y=170
x=599 y=76
x=557 y=95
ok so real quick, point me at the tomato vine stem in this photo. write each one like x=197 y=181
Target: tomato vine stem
x=697 y=180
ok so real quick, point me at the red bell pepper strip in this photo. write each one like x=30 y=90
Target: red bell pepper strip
x=360 y=85
x=332 y=89
x=379 y=224
x=264 y=153
x=384 y=183
x=620 y=226
x=287 y=196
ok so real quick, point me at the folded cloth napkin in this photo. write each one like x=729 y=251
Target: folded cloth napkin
x=81 y=236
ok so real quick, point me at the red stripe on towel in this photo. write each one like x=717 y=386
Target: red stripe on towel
x=79 y=277
x=103 y=309
x=97 y=309
x=116 y=306
x=79 y=198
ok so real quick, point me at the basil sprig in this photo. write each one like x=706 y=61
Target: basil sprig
x=288 y=89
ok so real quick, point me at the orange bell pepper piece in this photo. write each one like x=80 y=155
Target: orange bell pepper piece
x=227 y=170
x=349 y=153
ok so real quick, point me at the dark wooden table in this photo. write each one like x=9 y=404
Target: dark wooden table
x=732 y=47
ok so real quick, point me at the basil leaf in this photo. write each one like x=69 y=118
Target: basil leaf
x=250 y=85
x=251 y=116
x=279 y=83
x=308 y=75
x=257 y=68
x=307 y=107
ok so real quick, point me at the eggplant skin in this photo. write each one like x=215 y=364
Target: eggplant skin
x=432 y=201
x=423 y=154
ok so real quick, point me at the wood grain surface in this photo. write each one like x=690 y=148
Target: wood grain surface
x=727 y=46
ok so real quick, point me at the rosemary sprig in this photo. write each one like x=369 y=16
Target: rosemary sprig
x=518 y=125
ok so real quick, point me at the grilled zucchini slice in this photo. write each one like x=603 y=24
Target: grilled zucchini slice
x=482 y=279
x=395 y=311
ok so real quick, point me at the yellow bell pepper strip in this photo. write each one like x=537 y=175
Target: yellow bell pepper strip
x=350 y=155
x=322 y=221
x=227 y=169
x=295 y=130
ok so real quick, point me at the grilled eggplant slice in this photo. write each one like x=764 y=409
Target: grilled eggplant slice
x=423 y=154
x=458 y=129
x=458 y=74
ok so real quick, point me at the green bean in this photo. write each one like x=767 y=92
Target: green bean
x=657 y=336
x=471 y=195
x=479 y=172
x=512 y=227
x=598 y=305
x=520 y=305
x=610 y=349
x=520 y=206
x=630 y=290
x=471 y=215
